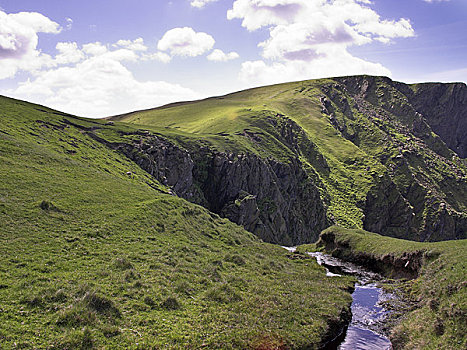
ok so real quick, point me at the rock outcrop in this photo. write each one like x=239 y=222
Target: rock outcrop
x=277 y=201
x=420 y=196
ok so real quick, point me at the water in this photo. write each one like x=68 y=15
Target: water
x=368 y=316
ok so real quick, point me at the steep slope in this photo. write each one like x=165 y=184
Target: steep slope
x=95 y=253
x=286 y=161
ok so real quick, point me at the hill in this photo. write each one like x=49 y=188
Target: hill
x=288 y=160
x=96 y=253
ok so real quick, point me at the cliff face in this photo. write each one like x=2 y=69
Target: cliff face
x=444 y=107
x=421 y=195
x=276 y=201
x=289 y=160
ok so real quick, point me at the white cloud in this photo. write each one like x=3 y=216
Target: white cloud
x=185 y=42
x=220 y=56
x=262 y=13
x=95 y=49
x=201 y=3
x=99 y=86
x=69 y=53
x=91 y=80
x=19 y=39
x=338 y=63
x=135 y=45
x=69 y=23
x=157 y=56
x=310 y=38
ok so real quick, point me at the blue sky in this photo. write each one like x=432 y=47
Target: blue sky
x=98 y=58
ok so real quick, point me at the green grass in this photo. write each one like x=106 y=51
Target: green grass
x=440 y=292
x=94 y=253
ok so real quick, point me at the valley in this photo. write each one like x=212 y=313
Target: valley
x=162 y=228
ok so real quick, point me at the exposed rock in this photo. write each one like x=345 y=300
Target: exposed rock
x=411 y=186
x=409 y=202
x=444 y=107
x=276 y=201
x=387 y=211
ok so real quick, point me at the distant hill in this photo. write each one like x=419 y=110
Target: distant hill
x=288 y=160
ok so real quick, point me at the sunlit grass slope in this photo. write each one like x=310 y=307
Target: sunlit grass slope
x=95 y=254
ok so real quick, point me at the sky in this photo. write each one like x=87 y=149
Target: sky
x=105 y=57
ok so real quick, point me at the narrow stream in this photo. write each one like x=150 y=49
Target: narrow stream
x=368 y=315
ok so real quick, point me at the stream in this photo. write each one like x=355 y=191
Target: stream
x=368 y=315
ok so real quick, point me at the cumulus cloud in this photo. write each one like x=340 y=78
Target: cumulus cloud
x=220 y=56
x=90 y=80
x=95 y=49
x=310 y=38
x=99 y=86
x=185 y=42
x=93 y=81
x=68 y=53
x=19 y=39
x=338 y=63
x=133 y=45
x=201 y=3
x=157 y=56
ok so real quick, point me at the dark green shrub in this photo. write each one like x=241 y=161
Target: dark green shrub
x=149 y=301
x=171 y=303
x=48 y=206
x=100 y=304
x=76 y=316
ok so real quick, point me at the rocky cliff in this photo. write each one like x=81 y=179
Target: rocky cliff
x=425 y=179
x=277 y=201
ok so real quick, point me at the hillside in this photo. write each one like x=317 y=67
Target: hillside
x=286 y=161
x=96 y=253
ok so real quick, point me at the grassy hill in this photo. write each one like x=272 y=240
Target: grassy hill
x=368 y=145
x=95 y=253
x=141 y=230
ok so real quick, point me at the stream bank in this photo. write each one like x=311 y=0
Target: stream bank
x=366 y=330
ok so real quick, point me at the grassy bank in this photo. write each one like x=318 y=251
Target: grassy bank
x=440 y=290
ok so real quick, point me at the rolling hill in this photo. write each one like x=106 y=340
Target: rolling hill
x=96 y=253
